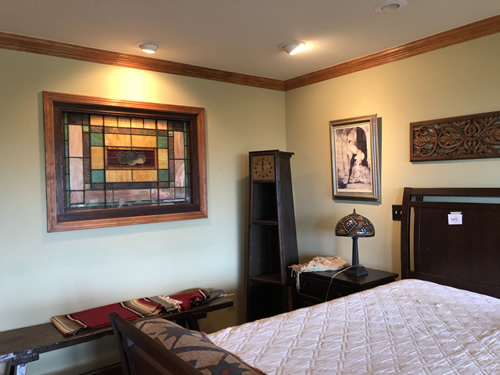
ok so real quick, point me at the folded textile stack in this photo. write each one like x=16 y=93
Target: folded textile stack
x=98 y=317
x=318 y=263
x=183 y=302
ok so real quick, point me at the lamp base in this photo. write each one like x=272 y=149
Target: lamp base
x=357 y=271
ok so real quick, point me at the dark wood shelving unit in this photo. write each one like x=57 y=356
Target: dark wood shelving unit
x=265 y=222
x=272 y=278
x=272 y=240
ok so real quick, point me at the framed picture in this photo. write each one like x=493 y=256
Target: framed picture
x=355 y=159
x=116 y=162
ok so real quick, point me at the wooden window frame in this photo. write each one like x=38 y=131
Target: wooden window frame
x=59 y=220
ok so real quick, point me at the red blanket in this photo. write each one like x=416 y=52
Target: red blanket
x=98 y=317
x=188 y=300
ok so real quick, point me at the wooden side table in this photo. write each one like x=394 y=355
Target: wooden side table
x=316 y=287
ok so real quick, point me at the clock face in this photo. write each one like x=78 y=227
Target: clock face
x=263 y=168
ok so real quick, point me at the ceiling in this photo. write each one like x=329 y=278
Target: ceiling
x=241 y=36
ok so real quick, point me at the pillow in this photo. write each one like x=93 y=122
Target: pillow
x=195 y=348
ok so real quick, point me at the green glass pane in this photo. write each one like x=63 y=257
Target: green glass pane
x=172 y=184
x=86 y=129
x=96 y=139
x=97 y=175
x=162 y=142
x=87 y=186
x=163 y=175
x=95 y=205
x=170 y=133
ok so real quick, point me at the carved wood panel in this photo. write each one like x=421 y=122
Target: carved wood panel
x=464 y=137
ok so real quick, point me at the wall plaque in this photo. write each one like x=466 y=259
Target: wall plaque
x=464 y=137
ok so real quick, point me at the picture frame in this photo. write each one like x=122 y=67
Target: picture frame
x=355 y=158
x=117 y=162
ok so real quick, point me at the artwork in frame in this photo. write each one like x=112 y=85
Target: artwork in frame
x=355 y=158
x=116 y=162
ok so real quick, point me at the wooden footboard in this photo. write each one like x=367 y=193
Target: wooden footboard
x=140 y=354
x=465 y=255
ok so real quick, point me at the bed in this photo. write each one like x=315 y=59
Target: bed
x=443 y=317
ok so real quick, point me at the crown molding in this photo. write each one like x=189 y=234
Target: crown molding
x=448 y=38
x=70 y=51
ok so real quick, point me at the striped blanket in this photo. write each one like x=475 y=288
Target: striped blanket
x=98 y=317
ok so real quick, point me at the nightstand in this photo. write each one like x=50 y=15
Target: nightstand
x=314 y=285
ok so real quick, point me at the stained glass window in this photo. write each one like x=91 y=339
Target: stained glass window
x=117 y=161
x=114 y=163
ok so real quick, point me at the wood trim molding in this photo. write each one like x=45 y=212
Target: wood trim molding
x=70 y=51
x=448 y=38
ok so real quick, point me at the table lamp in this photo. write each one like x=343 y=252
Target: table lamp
x=354 y=226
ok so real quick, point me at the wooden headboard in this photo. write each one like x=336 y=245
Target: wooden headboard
x=465 y=256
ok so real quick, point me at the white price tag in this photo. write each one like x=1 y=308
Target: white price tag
x=455 y=218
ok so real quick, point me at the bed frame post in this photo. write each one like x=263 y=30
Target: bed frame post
x=405 y=233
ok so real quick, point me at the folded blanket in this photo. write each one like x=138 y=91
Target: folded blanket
x=318 y=263
x=98 y=317
x=184 y=302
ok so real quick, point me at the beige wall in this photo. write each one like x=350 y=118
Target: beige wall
x=44 y=274
x=48 y=274
x=459 y=80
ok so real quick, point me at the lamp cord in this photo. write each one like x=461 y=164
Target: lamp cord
x=333 y=276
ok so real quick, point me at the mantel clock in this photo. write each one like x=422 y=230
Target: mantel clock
x=263 y=168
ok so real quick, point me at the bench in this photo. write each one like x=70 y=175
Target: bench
x=20 y=346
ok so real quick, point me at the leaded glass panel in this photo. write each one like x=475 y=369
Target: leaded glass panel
x=109 y=159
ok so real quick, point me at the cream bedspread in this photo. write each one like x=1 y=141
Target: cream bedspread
x=406 y=327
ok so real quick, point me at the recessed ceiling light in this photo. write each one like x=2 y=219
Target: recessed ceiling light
x=292 y=47
x=390 y=5
x=149 y=47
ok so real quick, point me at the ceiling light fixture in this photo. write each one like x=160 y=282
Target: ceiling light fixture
x=387 y=6
x=149 y=47
x=292 y=47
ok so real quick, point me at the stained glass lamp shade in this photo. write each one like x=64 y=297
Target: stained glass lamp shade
x=354 y=226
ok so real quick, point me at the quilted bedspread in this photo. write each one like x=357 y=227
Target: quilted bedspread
x=405 y=327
